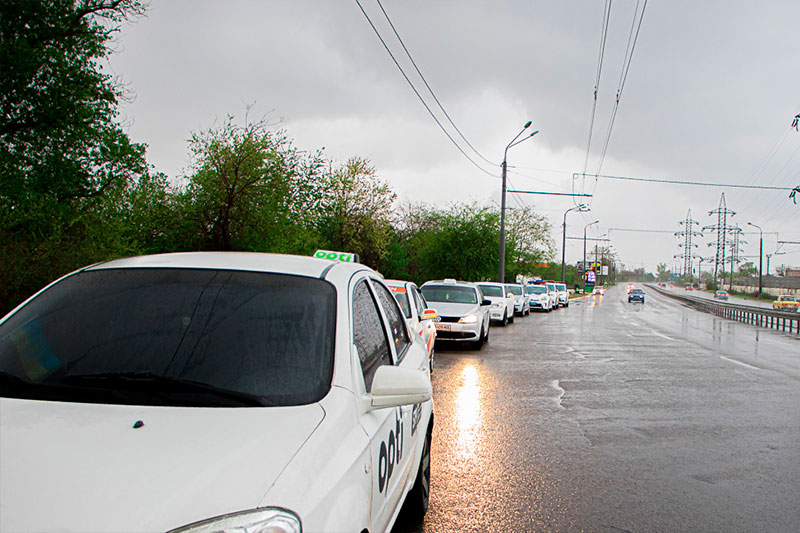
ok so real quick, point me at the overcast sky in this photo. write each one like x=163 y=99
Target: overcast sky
x=710 y=96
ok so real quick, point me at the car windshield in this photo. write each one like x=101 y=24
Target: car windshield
x=491 y=290
x=561 y=287
x=173 y=337
x=637 y=291
x=450 y=294
x=515 y=289
x=536 y=289
x=789 y=299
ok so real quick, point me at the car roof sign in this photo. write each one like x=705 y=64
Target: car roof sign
x=343 y=257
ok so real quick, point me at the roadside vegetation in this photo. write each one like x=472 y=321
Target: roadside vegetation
x=75 y=189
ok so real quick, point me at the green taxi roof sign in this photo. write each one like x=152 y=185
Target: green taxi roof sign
x=344 y=257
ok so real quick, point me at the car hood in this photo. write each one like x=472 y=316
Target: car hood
x=454 y=309
x=83 y=467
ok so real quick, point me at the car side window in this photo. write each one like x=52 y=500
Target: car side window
x=419 y=301
x=397 y=323
x=369 y=335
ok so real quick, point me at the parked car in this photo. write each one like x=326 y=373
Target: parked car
x=563 y=294
x=463 y=311
x=202 y=391
x=521 y=299
x=417 y=312
x=786 y=303
x=539 y=297
x=503 y=301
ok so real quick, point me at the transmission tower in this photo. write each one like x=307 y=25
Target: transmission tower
x=687 y=233
x=723 y=230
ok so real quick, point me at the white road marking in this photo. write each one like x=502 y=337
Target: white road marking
x=738 y=362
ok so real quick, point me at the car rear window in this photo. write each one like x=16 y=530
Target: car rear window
x=269 y=336
x=515 y=289
x=536 y=289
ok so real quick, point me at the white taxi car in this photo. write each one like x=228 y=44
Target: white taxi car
x=563 y=294
x=200 y=392
x=539 y=297
x=521 y=300
x=502 y=309
x=419 y=316
x=463 y=311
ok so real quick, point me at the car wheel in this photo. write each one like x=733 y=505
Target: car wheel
x=511 y=318
x=504 y=323
x=419 y=495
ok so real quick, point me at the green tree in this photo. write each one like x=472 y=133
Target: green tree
x=250 y=189
x=357 y=212
x=663 y=272
x=61 y=147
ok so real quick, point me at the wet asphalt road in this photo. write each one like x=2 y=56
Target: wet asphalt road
x=609 y=416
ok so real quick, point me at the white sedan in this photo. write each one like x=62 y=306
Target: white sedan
x=419 y=316
x=201 y=392
x=503 y=302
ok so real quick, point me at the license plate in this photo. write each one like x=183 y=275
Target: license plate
x=443 y=327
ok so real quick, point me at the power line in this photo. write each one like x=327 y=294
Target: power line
x=551 y=193
x=686 y=182
x=433 y=116
x=626 y=65
x=429 y=87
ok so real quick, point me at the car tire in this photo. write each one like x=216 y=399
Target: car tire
x=418 y=498
x=511 y=318
x=504 y=323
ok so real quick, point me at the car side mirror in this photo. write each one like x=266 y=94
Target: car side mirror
x=509 y=294
x=429 y=314
x=393 y=386
x=486 y=302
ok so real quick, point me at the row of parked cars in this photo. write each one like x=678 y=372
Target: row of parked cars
x=462 y=311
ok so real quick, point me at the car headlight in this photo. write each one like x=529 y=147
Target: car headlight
x=265 y=520
x=499 y=305
x=469 y=319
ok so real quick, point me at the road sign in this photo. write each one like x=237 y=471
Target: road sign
x=590 y=277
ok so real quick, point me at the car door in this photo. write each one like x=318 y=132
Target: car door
x=381 y=338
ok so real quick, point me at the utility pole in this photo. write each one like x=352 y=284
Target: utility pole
x=501 y=276
x=735 y=231
x=760 y=255
x=581 y=208
x=583 y=281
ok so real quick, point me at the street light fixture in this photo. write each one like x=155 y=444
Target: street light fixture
x=760 y=254
x=581 y=208
x=584 y=254
x=501 y=275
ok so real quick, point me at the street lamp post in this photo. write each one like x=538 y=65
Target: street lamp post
x=501 y=271
x=580 y=207
x=584 y=255
x=760 y=254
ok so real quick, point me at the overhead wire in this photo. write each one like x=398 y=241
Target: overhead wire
x=419 y=96
x=626 y=65
x=598 y=75
x=430 y=90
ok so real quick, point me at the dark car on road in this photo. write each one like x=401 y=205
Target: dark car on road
x=636 y=295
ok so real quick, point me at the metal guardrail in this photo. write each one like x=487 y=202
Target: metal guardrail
x=757 y=316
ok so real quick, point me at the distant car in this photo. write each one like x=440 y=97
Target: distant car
x=521 y=299
x=629 y=287
x=416 y=311
x=553 y=291
x=721 y=295
x=600 y=290
x=539 y=297
x=563 y=294
x=786 y=303
x=221 y=391
x=636 y=295
x=503 y=301
x=690 y=287
x=463 y=311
